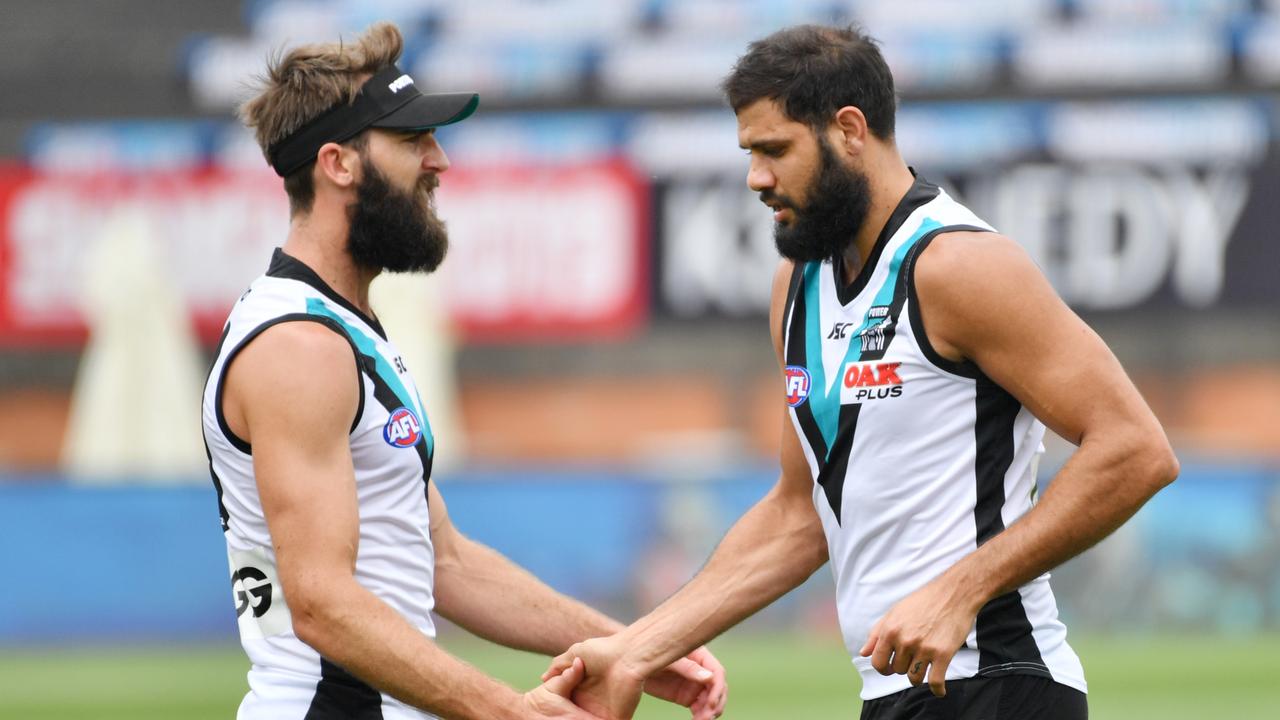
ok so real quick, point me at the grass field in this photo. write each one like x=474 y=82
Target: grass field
x=771 y=676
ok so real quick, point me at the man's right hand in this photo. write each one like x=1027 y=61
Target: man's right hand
x=611 y=689
x=613 y=685
x=552 y=698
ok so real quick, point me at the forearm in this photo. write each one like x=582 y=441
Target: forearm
x=773 y=548
x=1098 y=489
x=492 y=597
x=353 y=628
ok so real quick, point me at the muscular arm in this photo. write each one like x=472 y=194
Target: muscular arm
x=484 y=592
x=982 y=299
x=1020 y=333
x=292 y=393
x=771 y=549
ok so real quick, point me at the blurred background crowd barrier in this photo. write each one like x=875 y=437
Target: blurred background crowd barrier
x=597 y=341
x=134 y=564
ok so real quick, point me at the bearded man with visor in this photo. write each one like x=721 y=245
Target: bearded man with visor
x=320 y=446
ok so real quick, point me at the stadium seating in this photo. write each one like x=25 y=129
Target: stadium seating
x=550 y=51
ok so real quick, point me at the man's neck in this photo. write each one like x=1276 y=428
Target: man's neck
x=320 y=243
x=888 y=185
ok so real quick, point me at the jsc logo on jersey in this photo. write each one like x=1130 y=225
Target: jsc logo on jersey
x=402 y=429
x=797 y=379
x=865 y=381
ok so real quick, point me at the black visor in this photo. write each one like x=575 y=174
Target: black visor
x=389 y=100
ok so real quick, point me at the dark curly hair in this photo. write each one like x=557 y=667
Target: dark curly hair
x=812 y=71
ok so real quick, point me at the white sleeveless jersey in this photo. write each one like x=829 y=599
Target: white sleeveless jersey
x=391 y=447
x=916 y=460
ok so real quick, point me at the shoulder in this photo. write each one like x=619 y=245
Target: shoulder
x=968 y=265
x=976 y=254
x=782 y=280
x=302 y=342
x=296 y=367
x=977 y=286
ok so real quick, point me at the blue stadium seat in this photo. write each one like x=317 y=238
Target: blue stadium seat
x=1135 y=56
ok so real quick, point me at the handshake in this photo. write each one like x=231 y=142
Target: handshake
x=597 y=679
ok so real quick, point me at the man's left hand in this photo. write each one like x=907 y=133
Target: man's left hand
x=683 y=683
x=921 y=634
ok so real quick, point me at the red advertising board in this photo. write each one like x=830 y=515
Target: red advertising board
x=541 y=253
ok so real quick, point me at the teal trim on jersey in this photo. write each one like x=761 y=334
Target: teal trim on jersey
x=825 y=414
x=825 y=403
x=884 y=296
x=366 y=345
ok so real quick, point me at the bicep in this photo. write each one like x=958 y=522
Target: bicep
x=795 y=480
x=444 y=535
x=292 y=387
x=778 y=304
x=988 y=300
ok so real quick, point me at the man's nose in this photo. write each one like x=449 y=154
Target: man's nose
x=759 y=178
x=434 y=159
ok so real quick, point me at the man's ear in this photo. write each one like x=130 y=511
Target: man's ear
x=851 y=128
x=337 y=164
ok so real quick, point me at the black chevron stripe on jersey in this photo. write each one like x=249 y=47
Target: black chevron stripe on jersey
x=795 y=355
x=388 y=399
x=832 y=473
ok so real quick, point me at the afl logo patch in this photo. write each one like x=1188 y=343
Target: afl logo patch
x=797 y=379
x=402 y=429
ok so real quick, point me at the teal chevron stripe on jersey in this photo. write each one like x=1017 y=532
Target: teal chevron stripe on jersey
x=884 y=296
x=386 y=373
x=824 y=395
x=825 y=412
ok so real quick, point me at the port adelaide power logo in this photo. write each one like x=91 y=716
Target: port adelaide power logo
x=879 y=322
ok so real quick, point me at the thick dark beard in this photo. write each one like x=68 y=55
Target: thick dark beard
x=838 y=201
x=395 y=230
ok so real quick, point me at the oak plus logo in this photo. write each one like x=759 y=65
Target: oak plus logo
x=868 y=381
x=252 y=591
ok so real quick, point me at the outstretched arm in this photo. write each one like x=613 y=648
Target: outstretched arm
x=771 y=549
x=292 y=393
x=484 y=592
x=983 y=299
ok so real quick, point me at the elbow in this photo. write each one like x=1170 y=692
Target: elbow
x=1169 y=467
x=313 y=619
x=1159 y=464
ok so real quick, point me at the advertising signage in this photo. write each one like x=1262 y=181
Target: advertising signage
x=556 y=252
